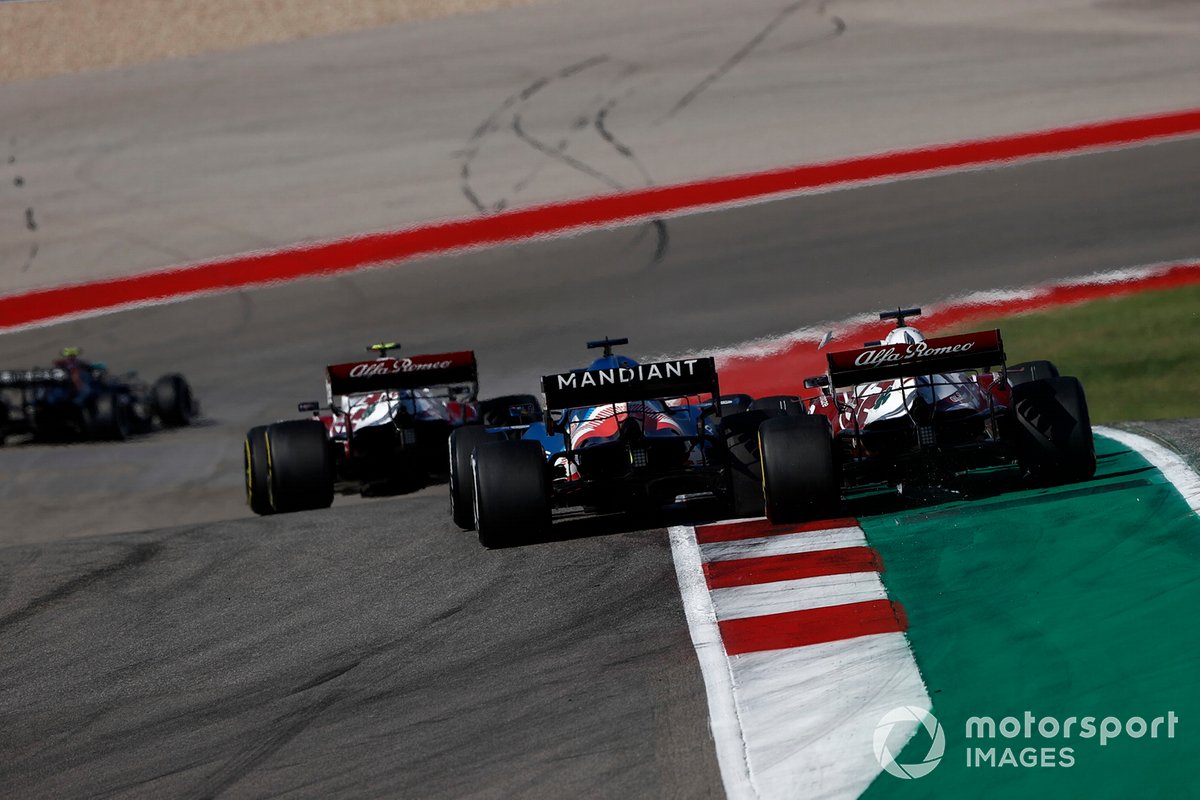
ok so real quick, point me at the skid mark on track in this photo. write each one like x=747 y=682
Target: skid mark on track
x=137 y=556
x=284 y=730
x=18 y=183
x=325 y=677
x=839 y=27
x=511 y=116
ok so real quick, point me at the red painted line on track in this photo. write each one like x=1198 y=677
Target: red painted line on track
x=755 y=529
x=791 y=566
x=812 y=626
x=332 y=258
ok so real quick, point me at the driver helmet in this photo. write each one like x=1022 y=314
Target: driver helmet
x=904 y=335
x=612 y=362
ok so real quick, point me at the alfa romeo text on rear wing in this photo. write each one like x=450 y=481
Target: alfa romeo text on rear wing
x=658 y=381
x=941 y=354
x=405 y=372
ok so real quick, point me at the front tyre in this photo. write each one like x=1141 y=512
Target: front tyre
x=512 y=492
x=172 y=401
x=800 y=478
x=109 y=417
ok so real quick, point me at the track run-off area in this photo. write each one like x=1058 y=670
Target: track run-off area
x=157 y=640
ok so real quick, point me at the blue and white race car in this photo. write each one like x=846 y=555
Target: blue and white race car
x=615 y=436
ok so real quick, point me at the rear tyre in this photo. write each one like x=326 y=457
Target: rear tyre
x=1028 y=371
x=800 y=479
x=739 y=432
x=299 y=466
x=109 y=417
x=512 y=492
x=497 y=412
x=258 y=491
x=172 y=399
x=1054 y=431
x=463 y=442
x=780 y=405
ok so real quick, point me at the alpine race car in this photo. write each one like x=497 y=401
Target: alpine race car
x=384 y=428
x=910 y=410
x=614 y=436
x=80 y=400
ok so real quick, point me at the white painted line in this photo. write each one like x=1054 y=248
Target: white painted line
x=1169 y=463
x=806 y=542
x=724 y=720
x=736 y=602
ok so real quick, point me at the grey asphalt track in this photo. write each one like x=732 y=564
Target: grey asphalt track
x=374 y=650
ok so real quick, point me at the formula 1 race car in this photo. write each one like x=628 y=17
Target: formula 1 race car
x=384 y=429
x=616 y=436
x=911 y=410
x=77 y=400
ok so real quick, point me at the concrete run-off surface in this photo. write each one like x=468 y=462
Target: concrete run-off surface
x=147 y=166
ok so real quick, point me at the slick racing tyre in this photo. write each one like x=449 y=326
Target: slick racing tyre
x=109 y=417
x=171 y=399
x=800 y=478
x=739 y=433
x=1054 y=431
x=258 y=491
x=463 y=442
x=299 y=466
x=1028 y=371
x=512 y=493
x=780 y=405
x=510 y=409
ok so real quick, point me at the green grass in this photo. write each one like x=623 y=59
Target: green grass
x=1138 y=356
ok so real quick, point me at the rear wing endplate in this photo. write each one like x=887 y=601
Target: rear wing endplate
x=406 y=372
x=29 y=378
x=941 y=354
x=657 y=381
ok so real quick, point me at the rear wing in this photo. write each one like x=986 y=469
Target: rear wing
x=941 y=354
x=405 y=372
x=658 y=381
x=30 y=378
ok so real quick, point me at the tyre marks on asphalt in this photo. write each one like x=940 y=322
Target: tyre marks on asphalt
x=136 y=556
x=801 y=649
x=839 y=27
x=30 y=219
x=511 y=117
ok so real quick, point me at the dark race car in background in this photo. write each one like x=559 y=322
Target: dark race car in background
x=383 y=429
x=910 y=410
x=80 y=400
x=615 y=436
